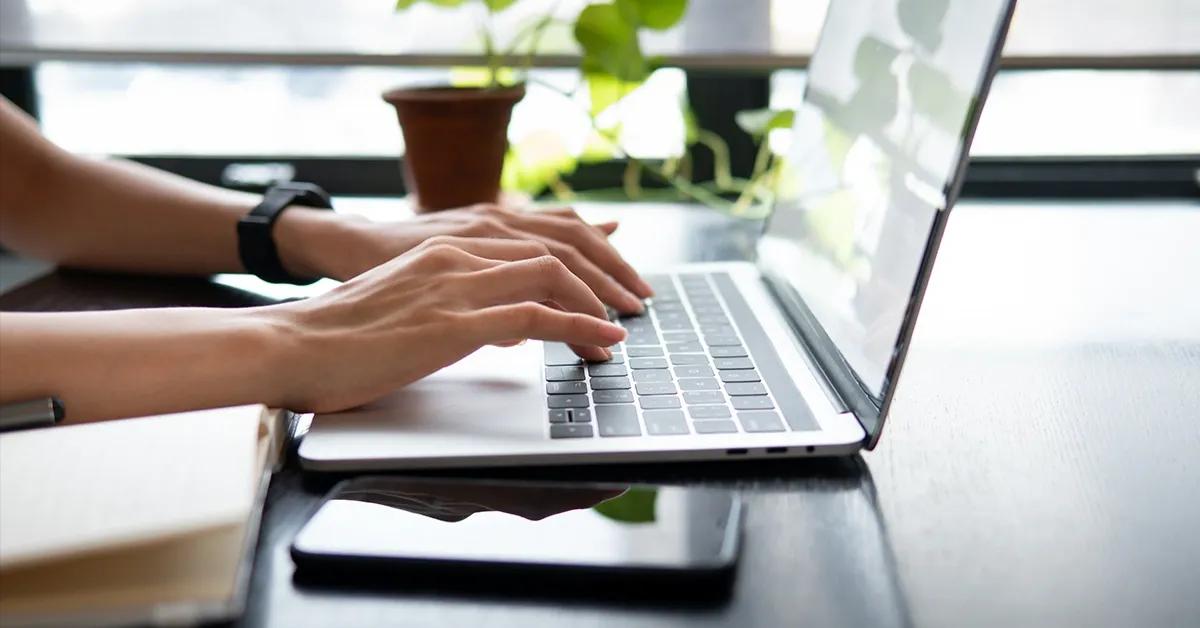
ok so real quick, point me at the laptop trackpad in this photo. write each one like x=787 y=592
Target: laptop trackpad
x=493 y=398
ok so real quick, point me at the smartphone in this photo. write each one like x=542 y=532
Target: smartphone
x=387 y=526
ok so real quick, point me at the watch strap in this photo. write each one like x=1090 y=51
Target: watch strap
x=256 y=242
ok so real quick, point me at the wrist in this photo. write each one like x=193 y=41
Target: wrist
x=310 y=242
x=277 y=343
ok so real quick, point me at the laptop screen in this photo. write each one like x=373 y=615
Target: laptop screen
x=873 y=158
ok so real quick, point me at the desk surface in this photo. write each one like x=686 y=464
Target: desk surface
x=1040 y=466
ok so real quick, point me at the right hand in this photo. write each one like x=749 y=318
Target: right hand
x=427 y=309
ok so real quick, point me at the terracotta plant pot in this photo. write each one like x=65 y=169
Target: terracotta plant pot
x=455 y=140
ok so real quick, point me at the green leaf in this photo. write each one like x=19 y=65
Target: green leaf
x=539 y=159
x=605 y=90
x=404 y=4
x=659 y=15
x=691 y=126
x=609 y=42
x=635 y=505
x=759 y=122
x=597 y=149
x=474 y=76
x=498 y=5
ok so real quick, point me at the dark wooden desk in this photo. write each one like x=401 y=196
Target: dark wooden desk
x=1040 y=467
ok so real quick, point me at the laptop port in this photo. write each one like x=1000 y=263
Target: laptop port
x=736 y=452
x=777 y=450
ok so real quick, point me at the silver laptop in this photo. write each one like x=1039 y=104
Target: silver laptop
x=796 y=355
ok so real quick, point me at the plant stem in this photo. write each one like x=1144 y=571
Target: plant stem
x=489 y=49
x=632 y=180
x=722 y=173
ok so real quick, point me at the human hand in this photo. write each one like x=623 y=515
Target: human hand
x=425 y=310
x=323 y=243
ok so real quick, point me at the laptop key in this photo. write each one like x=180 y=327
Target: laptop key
x=717 y=330
x=665 y=422
x=709 y=412
x=685 y=347
x=566 y=388
x=681 y=336
x=698 y=383
x=731 y=351
x=743 y=389
x=752 y=403
x=645 y=352
x=746 y=375
x=651 y=376
x=559 y=416
x=699 y=370
x=658 y=306
x=612 y=396
x=713 y=319
x=656 y=388
x=647 y=363
x=688 y=359
x=564 y=373
x=703 y=397
x=559 y=354
x=571 y=430
x=567 y=401
x=618 y=421
x=760 y=421
x=675 y=325
x=607 y=370
x=609 y=383
x=642 y=338
x=714 y=427
x=636 y=320
x=716 y=340
x=658 y=403
x=732 y=364
x=580 y=415
x=616 y=358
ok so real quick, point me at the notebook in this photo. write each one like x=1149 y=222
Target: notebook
x=147 y=520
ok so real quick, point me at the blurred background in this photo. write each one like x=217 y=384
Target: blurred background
x=246 y=93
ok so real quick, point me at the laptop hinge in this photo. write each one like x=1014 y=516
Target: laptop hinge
x=842 y=386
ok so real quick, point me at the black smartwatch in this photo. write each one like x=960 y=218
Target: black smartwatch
x=256 y=244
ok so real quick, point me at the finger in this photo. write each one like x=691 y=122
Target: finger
x=539 y=280
x=608 y=227
x=443 y=257
x=590 y=242
x=541 y=322
x=583 y=351
x=605 y=287
x=501 y=249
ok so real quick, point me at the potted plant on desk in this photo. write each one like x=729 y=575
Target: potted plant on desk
x=456 y=137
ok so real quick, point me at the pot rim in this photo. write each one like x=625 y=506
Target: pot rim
x=448 y=93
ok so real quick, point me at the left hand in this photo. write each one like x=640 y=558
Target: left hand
x=334 y=245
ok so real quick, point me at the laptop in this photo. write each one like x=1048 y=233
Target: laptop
x=798 y=354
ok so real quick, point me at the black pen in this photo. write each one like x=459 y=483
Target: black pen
x=24 y=415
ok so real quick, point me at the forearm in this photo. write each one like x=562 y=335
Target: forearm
x=137 y=362
x=117 y=215
x=121 y=216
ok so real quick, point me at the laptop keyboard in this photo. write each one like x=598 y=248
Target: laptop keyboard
x=684 y=369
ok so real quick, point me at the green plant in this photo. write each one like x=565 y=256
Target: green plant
x=612 y=66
